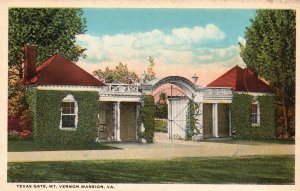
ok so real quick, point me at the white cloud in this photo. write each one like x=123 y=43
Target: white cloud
x=181 y=50
x=196 y=34
x=152 y=43
x=205 y=57
x=95 y=49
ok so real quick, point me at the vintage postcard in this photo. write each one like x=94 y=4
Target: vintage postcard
x=144 y=95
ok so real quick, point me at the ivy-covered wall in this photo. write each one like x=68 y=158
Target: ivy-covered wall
x=46 y=109
x=31 y=100
x=241 y=120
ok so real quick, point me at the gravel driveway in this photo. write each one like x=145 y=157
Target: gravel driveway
x=160 y=150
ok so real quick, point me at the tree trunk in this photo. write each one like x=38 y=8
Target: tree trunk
x=284 y=108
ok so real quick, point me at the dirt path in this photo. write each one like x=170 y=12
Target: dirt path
x=159 y=150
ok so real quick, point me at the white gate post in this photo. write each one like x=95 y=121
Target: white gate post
x=169 y=119
x=117 y=119
x=215 y=119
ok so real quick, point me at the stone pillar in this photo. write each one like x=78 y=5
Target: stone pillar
x=215 y=119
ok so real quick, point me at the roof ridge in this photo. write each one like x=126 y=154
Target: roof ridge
x=70 y=62
x=257 y=77
x=80 y=68
x=45 y=63
x=236 y=66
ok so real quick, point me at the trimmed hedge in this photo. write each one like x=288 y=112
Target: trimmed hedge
x=241 y=117
x=47 y=116
x=147 y=115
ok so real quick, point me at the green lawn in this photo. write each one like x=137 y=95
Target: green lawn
x=22 y=146
x=241 y=170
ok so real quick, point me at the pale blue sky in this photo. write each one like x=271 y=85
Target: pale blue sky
x=125 y=21
x=182 y=41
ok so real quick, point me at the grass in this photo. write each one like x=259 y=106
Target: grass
x=207 y=170
x=24 y=146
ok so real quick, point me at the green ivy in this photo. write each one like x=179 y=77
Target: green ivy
x=241 y=117
x=267 y=127
x=31 y=100
x=191 y=120
x=47 y=116
x=147 y=115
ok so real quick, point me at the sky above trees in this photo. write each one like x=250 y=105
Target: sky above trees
x=181 y=41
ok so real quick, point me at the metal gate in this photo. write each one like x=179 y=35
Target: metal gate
x=177 y=112
x=178 y=107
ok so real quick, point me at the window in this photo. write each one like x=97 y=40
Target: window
x=69 y=112
x=255 y=114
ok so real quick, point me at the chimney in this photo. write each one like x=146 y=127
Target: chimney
x=29 y=61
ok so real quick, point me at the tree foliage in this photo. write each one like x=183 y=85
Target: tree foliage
x=120 y=74
x=50 y=29
x=150 y=69
x=161 y=110
x=270 y=51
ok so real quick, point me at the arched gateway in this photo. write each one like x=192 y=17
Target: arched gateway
x=186 y=85
x=212 y=117
x=87 y=108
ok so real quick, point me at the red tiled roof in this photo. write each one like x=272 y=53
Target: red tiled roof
x=241 y=80
x=58 y=70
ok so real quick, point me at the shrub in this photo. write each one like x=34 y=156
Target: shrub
x=13 y=135
x=161 y=110
x=161 y=125
x=147 y=117
x=25 y=134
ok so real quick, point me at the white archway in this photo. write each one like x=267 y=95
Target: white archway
x=178 y=106
x=186 y=85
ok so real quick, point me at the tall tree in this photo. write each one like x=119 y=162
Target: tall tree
x=50 y=29
x=270 y=51
x=120 y=74
x=150 y=69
